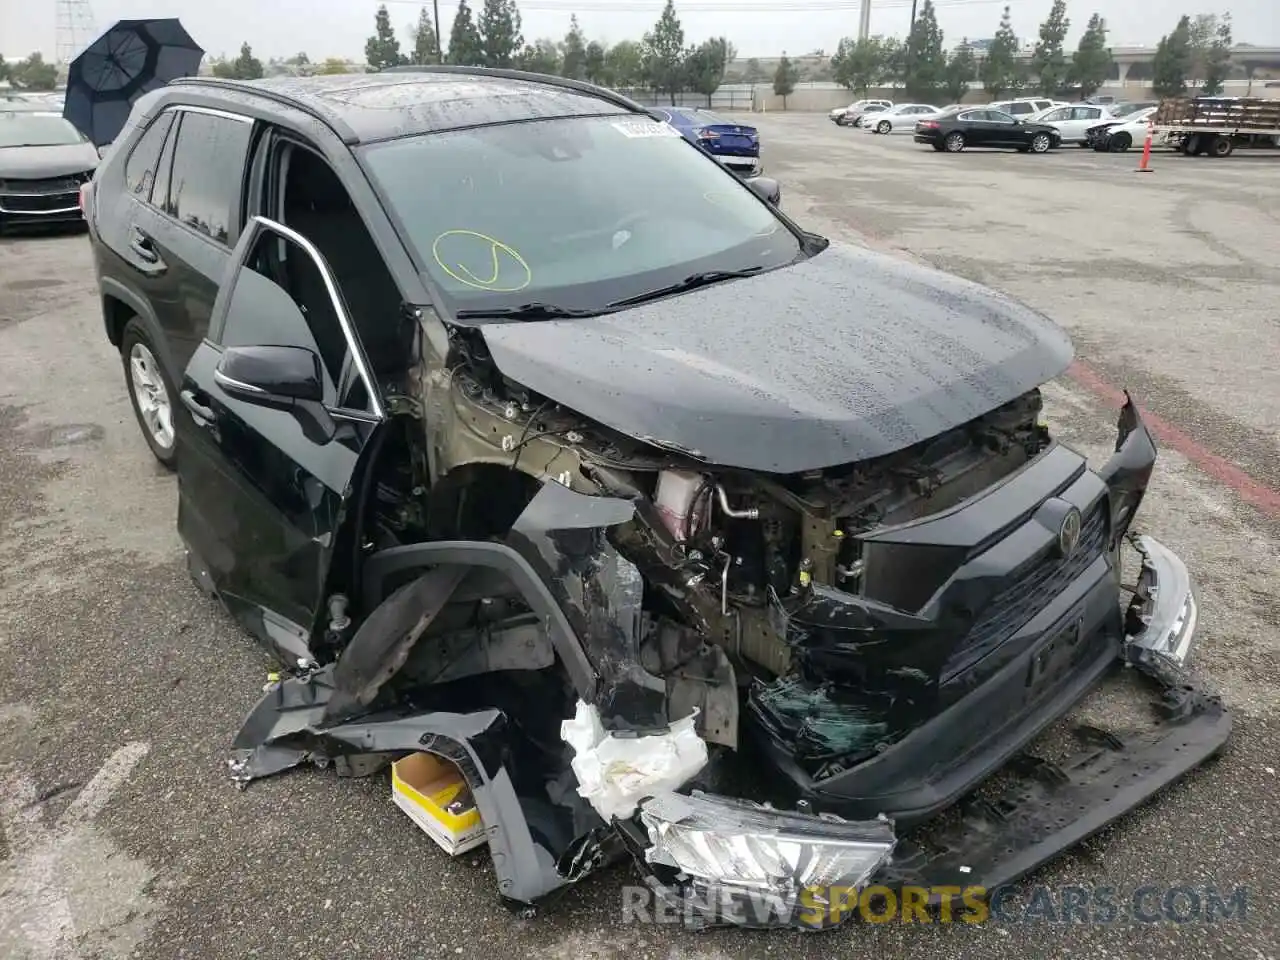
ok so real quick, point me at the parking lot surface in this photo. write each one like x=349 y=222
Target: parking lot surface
x=120 y=686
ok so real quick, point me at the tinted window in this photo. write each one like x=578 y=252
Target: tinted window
x=998 y=117
x=208 y=167
x=280 y=299
x=1021 y=108
x=576 y=211
x=140 y=170
x=973 y=116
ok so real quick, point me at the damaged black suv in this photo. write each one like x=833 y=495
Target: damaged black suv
x=528 y=436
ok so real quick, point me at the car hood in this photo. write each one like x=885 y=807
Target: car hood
x=848 y=355
x=34 y=163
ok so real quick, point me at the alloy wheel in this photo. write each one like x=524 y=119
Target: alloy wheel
x=151 y=395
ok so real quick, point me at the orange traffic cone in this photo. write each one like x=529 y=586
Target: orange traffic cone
x=1145 y=165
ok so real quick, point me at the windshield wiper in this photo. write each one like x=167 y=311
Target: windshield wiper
x=691 y=282
x=526 y=311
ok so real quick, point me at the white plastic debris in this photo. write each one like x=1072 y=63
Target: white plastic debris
x=615 y=773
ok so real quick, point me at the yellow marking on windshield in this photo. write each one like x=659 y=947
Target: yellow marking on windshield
x=479 y=241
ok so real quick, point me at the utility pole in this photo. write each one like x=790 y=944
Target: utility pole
x=435 y=6
x=864 y=20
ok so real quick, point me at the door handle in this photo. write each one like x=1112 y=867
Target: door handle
x=201 y=414
x=142 y=245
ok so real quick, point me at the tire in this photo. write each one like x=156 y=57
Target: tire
x=954 y=142
x=884 y=126
x=1221 y=147
x=1120 y=143
x=144 y=374
x=1040 y=143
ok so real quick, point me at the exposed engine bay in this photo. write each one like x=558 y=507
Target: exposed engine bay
x=612 y=637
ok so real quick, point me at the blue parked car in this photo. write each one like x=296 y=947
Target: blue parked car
x=735 y=145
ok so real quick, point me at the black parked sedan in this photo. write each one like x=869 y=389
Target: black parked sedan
x=983 y=127
x=43 y=163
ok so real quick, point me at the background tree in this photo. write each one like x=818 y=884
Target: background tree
x=426 y=46
x=706 y=65
x=755 y=73
x=222 y=68
x=333 y=66
x=4 y=69
x=246 y=66
x=962 y=67
x=33 y=73
x=541 y=56
x=1048 y=61
x=1000 y=66
x=574 y=49
x=500 y=38
x=860 y=64
x=894 y=72
x=382 y=50
x=664 y=54
x=594 y=64
x=625 y=64
x=1171 y=67
x=464 y=38
x=1091 y=63
x=926 y=58
x=1217 y=59
x=785 y=79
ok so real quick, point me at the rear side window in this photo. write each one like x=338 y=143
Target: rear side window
x=208 y=169
x=140 y=169
x=1020 y=108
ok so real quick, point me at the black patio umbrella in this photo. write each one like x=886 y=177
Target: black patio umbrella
x=132 y=57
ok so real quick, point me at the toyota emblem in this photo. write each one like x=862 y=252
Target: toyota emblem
x=1069 y=532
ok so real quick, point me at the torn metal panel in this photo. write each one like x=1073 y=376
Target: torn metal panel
x=564 y=536
x=284 y=730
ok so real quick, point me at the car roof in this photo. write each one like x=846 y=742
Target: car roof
x=363 y=108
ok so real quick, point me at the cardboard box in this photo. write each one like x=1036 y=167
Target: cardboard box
x=436 y=797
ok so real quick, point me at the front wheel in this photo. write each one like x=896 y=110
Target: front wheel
x=150 y=391
x=954 y=142
x=1040 y=143
x=1120 y=143
x=884 y=126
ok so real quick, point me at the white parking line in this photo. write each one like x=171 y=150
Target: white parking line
x=37 y=913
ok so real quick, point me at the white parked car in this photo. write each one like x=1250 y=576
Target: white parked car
x=900 y=118
x=1128 y=132
x=843 y=116
x=1024 y=108
x=1073 y=120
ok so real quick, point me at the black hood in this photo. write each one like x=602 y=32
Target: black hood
x=843 y=357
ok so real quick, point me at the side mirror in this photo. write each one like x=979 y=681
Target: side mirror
x=271 y=376
x=767 y=189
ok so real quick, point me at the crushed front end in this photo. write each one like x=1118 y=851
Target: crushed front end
x=880 y=638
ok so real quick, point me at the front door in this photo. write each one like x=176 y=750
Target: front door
x=1005 y=130
x=264 y=471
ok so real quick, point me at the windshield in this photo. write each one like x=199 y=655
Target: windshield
x=23 y=128
x=576 y=212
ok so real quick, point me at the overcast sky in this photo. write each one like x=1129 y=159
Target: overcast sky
x=756 y=27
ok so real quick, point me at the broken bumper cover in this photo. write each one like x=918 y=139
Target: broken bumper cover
x=1046 y=809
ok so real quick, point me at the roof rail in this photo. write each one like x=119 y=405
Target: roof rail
x=340 y=129
x=578 y=86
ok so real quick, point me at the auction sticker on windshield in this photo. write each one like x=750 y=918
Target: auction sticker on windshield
x=645 y=128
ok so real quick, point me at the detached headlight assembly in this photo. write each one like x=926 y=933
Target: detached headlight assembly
x=722 y=842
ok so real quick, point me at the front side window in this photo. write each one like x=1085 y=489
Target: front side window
x=578 y=212
x=280 y=299
x=998 y=117
x=30 y=128
x=207 y=171
x=1060 y=114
